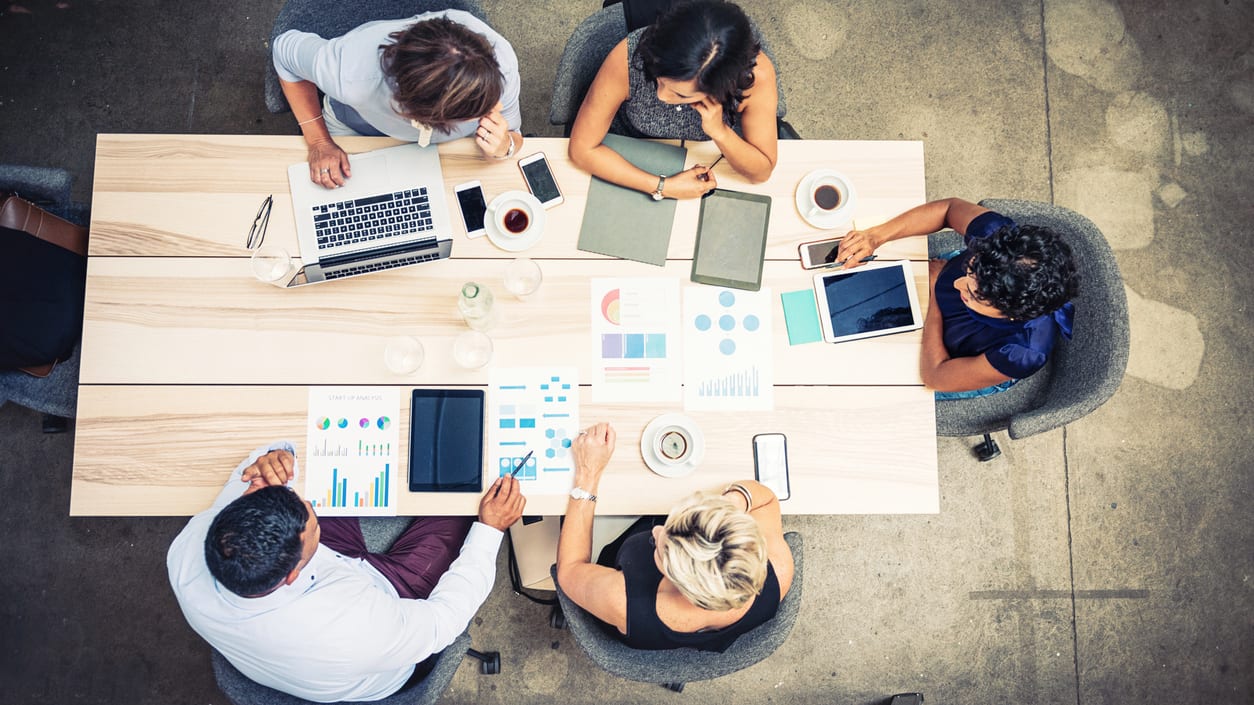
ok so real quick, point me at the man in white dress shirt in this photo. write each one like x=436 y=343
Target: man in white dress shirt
x=308 y=611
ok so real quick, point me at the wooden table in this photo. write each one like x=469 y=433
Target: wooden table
x=188 y=362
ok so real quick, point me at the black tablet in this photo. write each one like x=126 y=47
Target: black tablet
x=731 y=239
x=446 y=440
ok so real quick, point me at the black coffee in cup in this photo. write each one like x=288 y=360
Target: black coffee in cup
x=826 y=197
x=516 y=220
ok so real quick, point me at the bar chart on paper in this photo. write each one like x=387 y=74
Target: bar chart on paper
x=351 y=451
x=728 y=360
x=534 y=409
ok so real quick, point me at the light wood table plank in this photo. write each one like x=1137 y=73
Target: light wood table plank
x=155 y=450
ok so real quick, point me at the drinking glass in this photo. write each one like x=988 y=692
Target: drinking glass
x=403 y=355
x=522 y=277
x=272 y=265
x=472 y=349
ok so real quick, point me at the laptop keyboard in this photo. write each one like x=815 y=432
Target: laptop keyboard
x=376 y=266
x=372 y=218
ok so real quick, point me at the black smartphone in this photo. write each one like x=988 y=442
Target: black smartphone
x=446 y=440
x=770 y=462
x=472 y=204
x=539 y=178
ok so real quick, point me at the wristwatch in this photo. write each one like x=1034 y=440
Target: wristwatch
x=581 y=493
x=661 y=184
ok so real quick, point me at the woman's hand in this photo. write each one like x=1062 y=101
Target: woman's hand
x=328 y=164
x=690 y=183
x=856 y=246
x=592 y=451
x=492 y=136
x=711 y=112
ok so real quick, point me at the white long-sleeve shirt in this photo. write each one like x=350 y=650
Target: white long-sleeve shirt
x=340 y=631
x=347 y=69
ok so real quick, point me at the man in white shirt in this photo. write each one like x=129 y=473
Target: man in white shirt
x=309 y=613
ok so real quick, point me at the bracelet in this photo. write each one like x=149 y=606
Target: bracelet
x=316 y=117
x=744 y=491
x=509 y=152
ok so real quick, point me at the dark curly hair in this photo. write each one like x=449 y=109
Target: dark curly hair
x=442 y=73
x=254 y=542
x=709 y=41
x=1024 y=271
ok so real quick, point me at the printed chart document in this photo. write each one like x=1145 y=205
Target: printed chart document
x=635 y=339
x=351 y=450
x=727 y=349
x=534 y=409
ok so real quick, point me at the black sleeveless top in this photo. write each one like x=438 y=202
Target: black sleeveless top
x=646 y=631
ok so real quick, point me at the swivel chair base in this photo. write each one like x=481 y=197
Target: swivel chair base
x=987 y=449
x=489 y=661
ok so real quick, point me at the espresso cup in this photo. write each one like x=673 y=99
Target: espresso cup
x=672 y=445
x=828 y=194
x=514 y=218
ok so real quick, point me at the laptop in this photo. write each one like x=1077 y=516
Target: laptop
x=391 y=213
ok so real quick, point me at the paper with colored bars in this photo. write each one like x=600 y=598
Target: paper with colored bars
x=635 y=339
x=533 y=409
x=351 y=451
x=728 y=354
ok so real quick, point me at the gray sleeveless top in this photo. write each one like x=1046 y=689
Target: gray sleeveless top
x=643 y=115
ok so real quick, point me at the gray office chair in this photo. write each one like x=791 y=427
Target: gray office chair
x=379 y=533
x=674 y=667
x=329 y=18
x=56 y=395
x=586 y=50
x=1082 y=373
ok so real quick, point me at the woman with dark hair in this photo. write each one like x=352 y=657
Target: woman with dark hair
x=436 y=77
x=998 y=307
x=698 y=73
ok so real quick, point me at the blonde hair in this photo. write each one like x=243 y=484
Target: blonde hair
x=714 y=552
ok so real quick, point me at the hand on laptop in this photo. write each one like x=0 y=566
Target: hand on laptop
x=493 y=133
x=502 y=504
x=328 y=164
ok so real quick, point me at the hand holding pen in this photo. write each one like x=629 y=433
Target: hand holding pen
x=855 y=248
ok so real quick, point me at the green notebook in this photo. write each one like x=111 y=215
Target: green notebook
x=620 y=222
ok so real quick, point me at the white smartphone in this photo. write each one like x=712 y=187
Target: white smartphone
x=473 y=205
x=820 y=253
x=770 y=462
x=540 y=181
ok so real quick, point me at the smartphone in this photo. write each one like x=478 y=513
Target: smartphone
x=540 y=181
x=820 y=253
x=770 y=462
x=472 y=204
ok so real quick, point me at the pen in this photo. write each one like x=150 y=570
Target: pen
x=521 y=463
x=706 y=177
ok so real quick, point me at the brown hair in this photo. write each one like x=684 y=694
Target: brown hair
x=442 y=73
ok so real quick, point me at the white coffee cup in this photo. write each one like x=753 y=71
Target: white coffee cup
x=829 y=195
x=514 y=217
x=672 y=445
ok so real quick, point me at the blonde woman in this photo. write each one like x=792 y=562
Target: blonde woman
x=717 y=567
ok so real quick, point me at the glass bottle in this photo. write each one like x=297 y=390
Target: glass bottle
x=475 y=305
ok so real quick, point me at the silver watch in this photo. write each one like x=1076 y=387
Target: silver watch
x=581 y=493
x=661 y=184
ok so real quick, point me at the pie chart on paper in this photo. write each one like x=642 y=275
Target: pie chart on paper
x=609 y=307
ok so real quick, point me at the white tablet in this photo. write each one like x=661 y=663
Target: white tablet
x=875 y=299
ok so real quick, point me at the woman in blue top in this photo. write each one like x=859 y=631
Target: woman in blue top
x=696 y=73
x=998 y=307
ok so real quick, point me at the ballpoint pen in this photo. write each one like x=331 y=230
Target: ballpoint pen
x=706 y=176
x=521 y=463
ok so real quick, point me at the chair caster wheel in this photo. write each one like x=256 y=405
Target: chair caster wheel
x=987 y=449
x=491 y=664
x=676 y=687
x=55 y=424
x=557 y=618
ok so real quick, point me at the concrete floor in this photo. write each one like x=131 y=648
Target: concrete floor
x=1107 y=562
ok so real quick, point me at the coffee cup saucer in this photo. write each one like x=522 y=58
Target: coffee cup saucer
x=511 y=242
x=686 y=427
x=825 y=220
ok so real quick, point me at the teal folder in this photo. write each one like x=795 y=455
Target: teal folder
x=801 y=316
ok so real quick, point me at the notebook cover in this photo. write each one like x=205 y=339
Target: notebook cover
x=620 y=222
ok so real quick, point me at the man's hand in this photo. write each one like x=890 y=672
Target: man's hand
x=592 y=451
x=492 y=135
x=328 y=164
x=274 y=468
x=856 y=246
x=502 y=504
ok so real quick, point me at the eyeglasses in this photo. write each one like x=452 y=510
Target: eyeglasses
x=257 y=234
